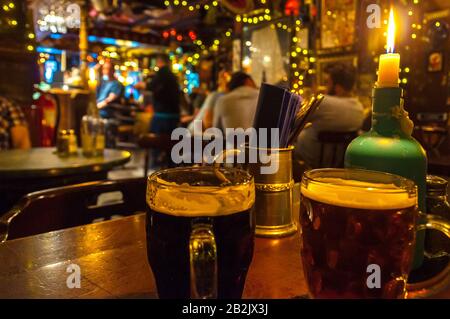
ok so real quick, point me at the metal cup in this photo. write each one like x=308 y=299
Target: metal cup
x=274 y=194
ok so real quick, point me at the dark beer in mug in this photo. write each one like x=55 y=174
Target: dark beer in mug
x=179 y=198
x=358 y=233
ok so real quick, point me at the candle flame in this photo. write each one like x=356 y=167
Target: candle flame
x=92 y=75
x=391 y=33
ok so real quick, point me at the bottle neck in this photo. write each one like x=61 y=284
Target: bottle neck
x=386 y=106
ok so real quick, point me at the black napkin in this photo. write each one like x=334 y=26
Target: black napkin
x=276 y=109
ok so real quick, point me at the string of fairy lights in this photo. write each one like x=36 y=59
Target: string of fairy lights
x=302 y=59
x=256 y=17
x=198 y=6
x=416 y=22
x=190 y=7
x=9 y=19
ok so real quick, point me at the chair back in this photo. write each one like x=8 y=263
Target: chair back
x=333 y=146
x=164 y=143
x=73 y=205
x=153 y=141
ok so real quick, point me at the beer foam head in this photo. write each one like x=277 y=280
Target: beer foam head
x=358 y=194
x=199 y=193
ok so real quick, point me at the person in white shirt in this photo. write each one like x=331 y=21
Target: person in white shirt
x=340 y=111
x=237 y=108
x=206 y=112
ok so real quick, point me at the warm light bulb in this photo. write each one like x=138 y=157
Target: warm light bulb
x=391 y=33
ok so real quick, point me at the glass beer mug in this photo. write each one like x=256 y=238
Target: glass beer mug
x=358 y=234
x=200 y=231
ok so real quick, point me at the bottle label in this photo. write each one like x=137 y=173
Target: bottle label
x=406 y=124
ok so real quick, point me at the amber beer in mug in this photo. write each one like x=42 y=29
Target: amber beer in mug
x=358 y=233
x=200 y=231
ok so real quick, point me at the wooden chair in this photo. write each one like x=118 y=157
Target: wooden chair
x=163 y=143
x=71 y=206
x=334 y=145
x=152 y=141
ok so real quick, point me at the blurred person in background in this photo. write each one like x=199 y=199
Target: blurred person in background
x=13 y=126
x=186 y=109
x=109 y=91
x=340 y=111
x=237 y=108
x=206 y=112
x=166 y=97
x=198 y=97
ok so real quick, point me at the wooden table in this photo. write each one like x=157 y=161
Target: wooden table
x=113 y=262
x=25 y=171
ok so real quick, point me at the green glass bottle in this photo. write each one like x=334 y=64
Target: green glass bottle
x=389 y=147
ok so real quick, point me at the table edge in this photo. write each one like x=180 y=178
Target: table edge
x=52 y=172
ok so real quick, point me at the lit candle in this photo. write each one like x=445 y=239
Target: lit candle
x=389 y=68
x=63 y=61
x=92 y=82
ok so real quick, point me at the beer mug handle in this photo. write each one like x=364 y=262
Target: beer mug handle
x=442 y=280
x=203 y=260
